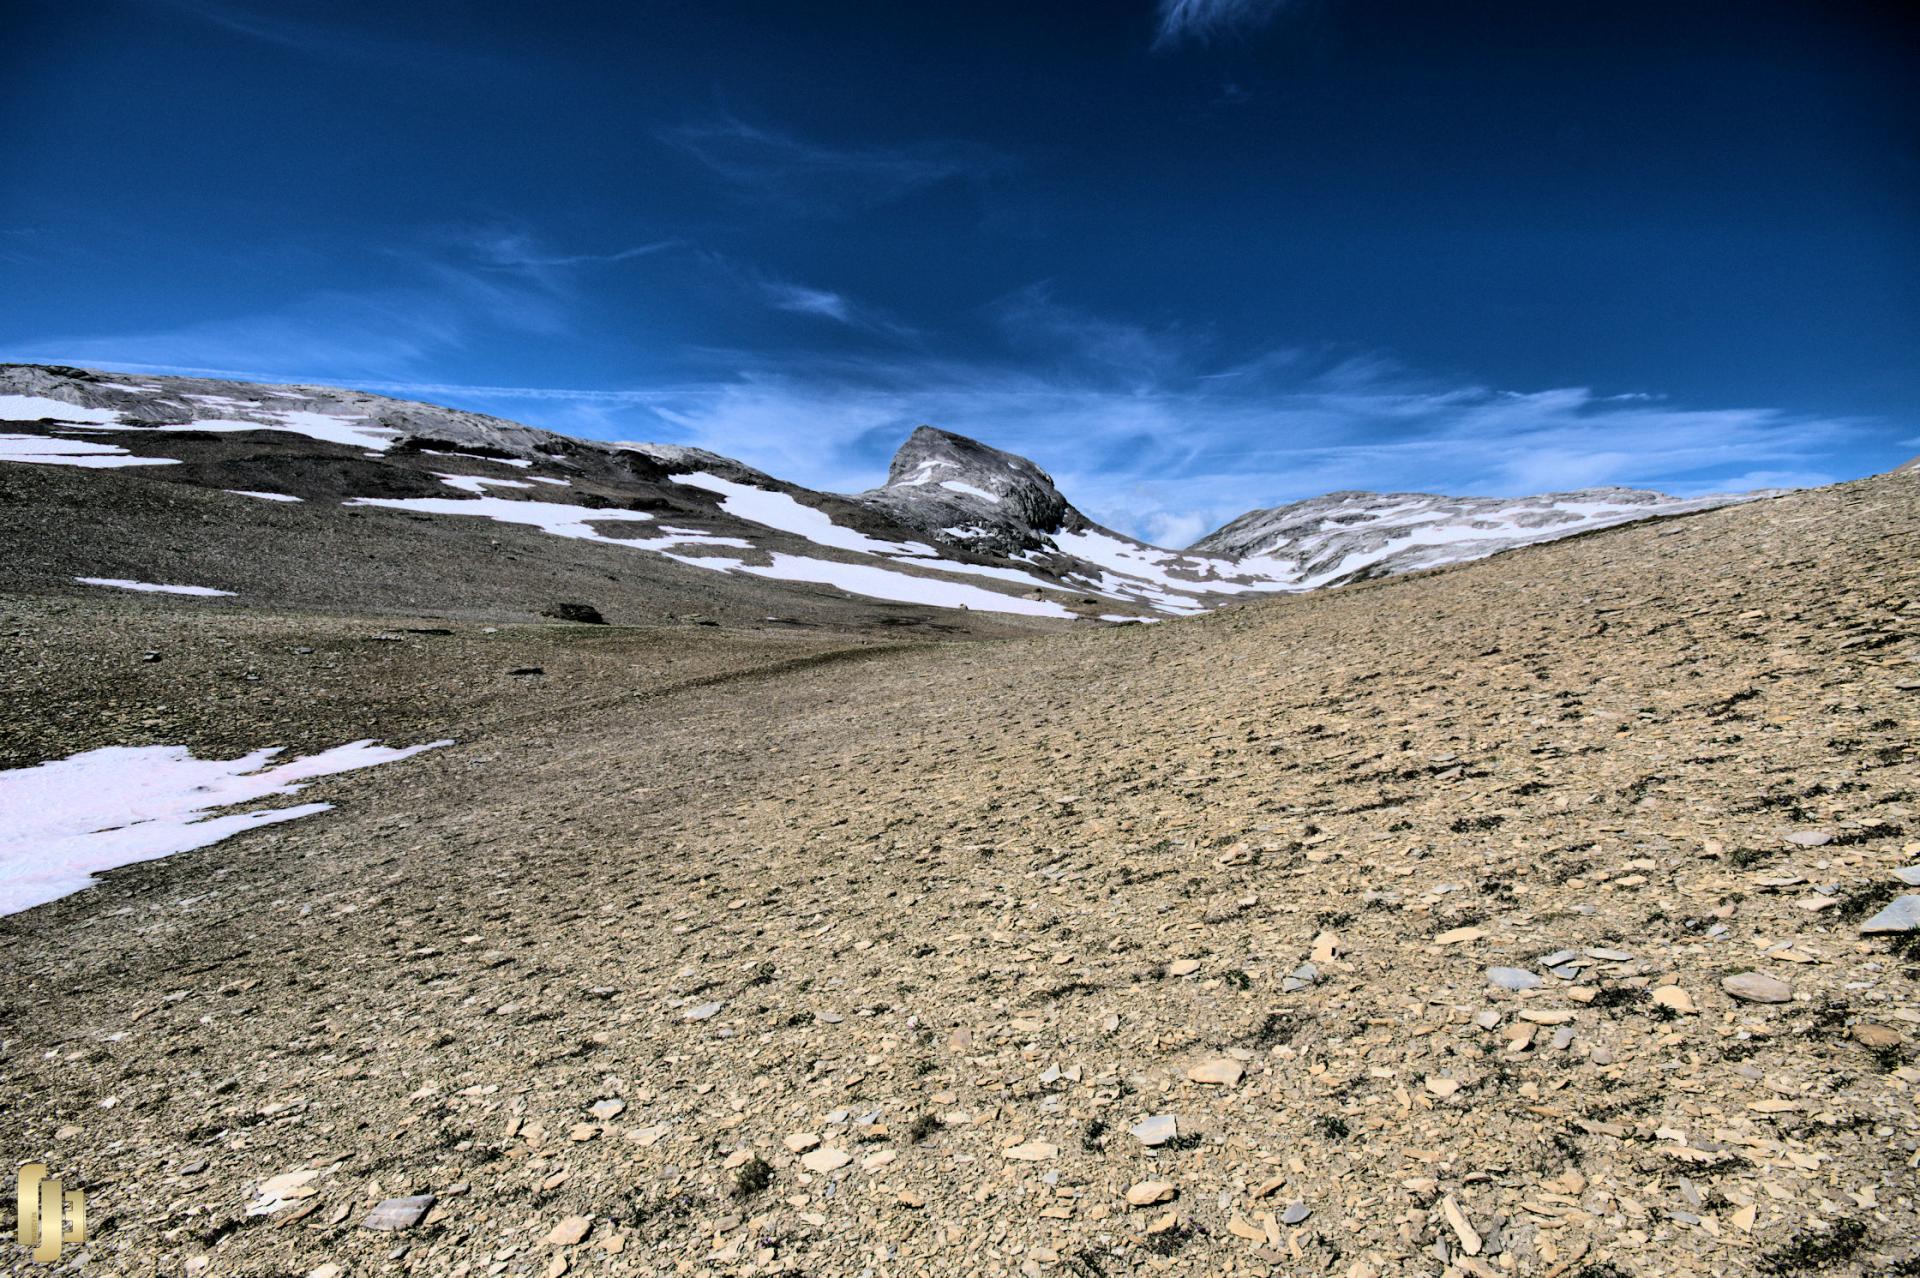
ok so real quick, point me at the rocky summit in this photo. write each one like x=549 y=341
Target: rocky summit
x=1542 y=915
x=959 y=490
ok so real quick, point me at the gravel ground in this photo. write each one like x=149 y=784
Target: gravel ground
x=1179 y=948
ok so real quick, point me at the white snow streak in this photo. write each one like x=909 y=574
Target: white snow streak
x=781 y=512
x=44 y=450
x=121 y=583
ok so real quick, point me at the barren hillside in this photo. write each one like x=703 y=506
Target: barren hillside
x=1498 y=920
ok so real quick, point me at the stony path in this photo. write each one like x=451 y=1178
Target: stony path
x=1426 y=927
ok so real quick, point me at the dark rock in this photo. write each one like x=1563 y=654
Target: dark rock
x=584 y=614
x=399 y=1213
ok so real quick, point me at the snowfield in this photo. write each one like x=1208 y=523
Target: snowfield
x=69 y=819
x=33 y=408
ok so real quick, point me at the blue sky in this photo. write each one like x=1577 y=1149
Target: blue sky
x=1191 y=256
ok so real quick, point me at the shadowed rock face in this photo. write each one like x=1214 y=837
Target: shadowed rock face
x=961 y=492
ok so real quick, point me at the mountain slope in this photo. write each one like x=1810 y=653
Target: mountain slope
x=1354 y=536
x=127 y=460
x=1419 y=911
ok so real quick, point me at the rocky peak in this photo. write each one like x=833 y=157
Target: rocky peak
x=964 y=493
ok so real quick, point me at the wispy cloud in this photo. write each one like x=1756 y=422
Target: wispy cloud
x=517 y=250
x=1173 y=452
x=796 y=298
x=807 y=301
x=771 y=166
x=1207 y=19
x=435 y=305
x=318 y=31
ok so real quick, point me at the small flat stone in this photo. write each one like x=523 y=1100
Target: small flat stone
x=1459 y=935
x=1514 y=978
x=1810 y=838
x=1673 y=998
x=607 y=1109
x=1183 y=967
x=1909 y=874
x=1157 y=1130
x=1033 y=1151
x=1878 y=1038
x=569 y=1231
x=704 y=1011
x=1295 y=1213
x=1758 y=987
x=1444 y=1088
x=399 y=1213
x=801 y=1142
x=1608 y=956
x=1220 y=1073
x=1901 y=916
x=826 y=1159
x=1149 y=1192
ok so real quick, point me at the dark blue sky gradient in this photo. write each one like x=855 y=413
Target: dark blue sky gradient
x=1321 y=244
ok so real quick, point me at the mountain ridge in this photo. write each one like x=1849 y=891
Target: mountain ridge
x=958 y=524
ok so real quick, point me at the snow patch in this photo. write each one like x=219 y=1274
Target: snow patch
x=121 y=583
x=555 y=517
x=477 y=485
x=501 y=461
x=43 y=450
x=884 y=583
x=781 y=512
x=69 y=819
x=328 y=428
x=248 y=492
x=33 y=408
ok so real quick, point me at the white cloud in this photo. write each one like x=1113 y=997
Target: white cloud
x=1205 y=19
x=806 y=301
